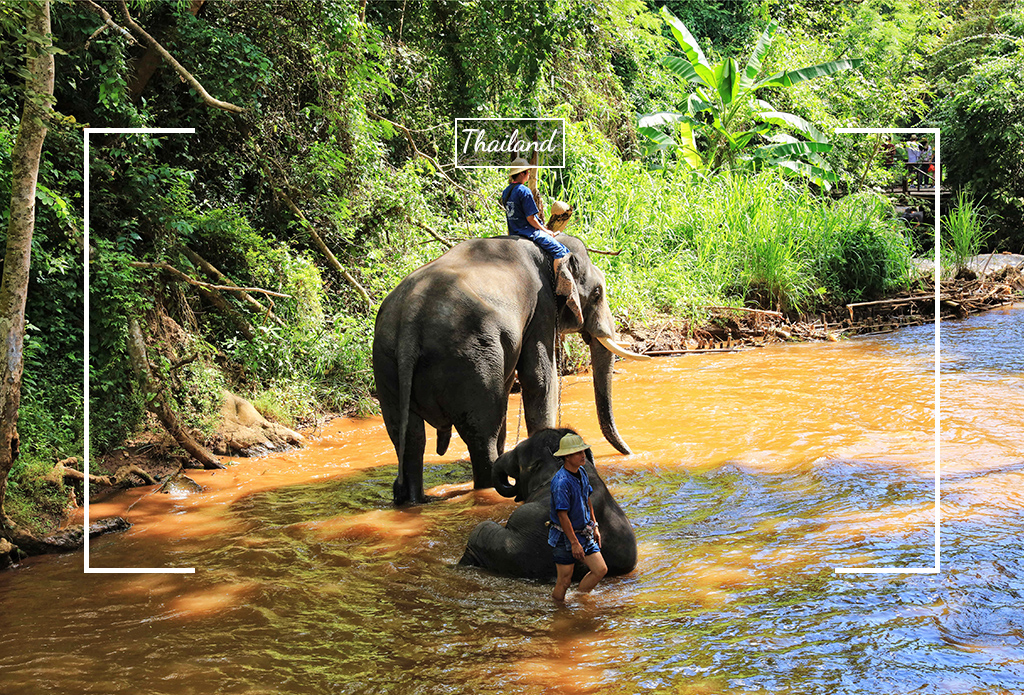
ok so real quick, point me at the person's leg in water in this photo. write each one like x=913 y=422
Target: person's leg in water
x=596 y=564
x=562 y=582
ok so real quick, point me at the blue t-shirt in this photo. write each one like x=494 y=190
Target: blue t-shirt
x=519 y=204
x=570 y=494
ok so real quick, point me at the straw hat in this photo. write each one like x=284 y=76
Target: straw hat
x=570 y=444
x=560 y=214
x=519 y=166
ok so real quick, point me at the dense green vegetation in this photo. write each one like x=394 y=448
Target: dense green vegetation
x=345 y=137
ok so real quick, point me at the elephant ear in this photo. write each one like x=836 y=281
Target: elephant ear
x=543 y=468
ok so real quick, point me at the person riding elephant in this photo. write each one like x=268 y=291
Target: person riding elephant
x=521 y=547
x=525 y=219
x=450 y=339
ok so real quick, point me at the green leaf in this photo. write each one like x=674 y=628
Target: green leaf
x=790 y=149
x=684 y=69
x=784 y=119
x=753 y=67
x=658 y=141
x=820 y=176
x=727 y=80
x=695 y=103
x=652 y=120
x=686 y=41
x=792 y=77
x=689 y=146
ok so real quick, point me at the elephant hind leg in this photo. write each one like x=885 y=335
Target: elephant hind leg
x=408 y=487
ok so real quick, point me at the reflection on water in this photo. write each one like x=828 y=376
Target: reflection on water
x=755 y=475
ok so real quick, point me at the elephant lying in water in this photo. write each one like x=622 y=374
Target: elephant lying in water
x=450 y=338
x=520 y=548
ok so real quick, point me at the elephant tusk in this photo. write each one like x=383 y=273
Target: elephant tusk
x=617 y=349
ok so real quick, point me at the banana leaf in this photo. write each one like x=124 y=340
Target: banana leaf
x=685 y=40
x=753 y=66
x=784 y=119
x=792 y=77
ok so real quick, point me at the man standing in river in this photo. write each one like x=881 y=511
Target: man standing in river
x=574 y=533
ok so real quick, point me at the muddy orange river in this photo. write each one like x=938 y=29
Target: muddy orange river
x=755 y=475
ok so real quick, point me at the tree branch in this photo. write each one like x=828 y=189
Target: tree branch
x=155 y=45
x=433 y=162
x=213 y=273
x=431 y=232
x=317 y=240
x=178 y=275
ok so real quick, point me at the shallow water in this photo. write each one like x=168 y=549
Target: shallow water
x=755 y=475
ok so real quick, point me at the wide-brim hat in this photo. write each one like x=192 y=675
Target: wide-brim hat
x=570 y=444
x=560 y=214
x=518 y=166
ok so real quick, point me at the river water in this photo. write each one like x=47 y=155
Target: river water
x=755 y=475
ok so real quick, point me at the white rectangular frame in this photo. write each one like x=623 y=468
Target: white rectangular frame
x=935 y=569
x=503 y=166
x=85 y=355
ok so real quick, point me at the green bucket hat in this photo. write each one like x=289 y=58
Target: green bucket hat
x=570 y=444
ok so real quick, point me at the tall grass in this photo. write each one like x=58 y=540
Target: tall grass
x=963 y=233
x=689 y=242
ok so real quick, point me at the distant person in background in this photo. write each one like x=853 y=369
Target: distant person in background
x=913 y=159
x=925 y=164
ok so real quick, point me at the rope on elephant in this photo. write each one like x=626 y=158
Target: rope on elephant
x=519 y=421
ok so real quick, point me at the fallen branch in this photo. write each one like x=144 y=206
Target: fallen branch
x=764 y=312
x=122 y=478
x=156 y=400
x=604 y=253
x=174 y=272
x=431 y=232
x=215 y=274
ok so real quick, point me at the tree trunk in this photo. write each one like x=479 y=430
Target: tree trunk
x=156 y=399
x=14 y=288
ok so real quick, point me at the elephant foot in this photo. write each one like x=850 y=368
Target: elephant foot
x=404 y=497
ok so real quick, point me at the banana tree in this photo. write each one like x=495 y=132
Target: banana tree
x=740 y=129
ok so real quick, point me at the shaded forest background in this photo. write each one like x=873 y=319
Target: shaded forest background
x=333 y=179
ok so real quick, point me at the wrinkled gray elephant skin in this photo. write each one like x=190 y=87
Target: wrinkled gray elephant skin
x=520 y=548
x=450 y=338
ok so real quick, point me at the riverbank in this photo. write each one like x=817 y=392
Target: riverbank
x=994 y=280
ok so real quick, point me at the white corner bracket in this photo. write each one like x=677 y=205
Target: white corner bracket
x=934 y=132
x=85 y=354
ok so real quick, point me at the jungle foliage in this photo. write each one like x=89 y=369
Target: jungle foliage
x=344 y=144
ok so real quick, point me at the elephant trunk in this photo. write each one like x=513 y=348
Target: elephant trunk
x=601 y=358
x=500 y=473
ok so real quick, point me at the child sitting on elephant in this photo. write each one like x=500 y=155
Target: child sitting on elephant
x=524 y=219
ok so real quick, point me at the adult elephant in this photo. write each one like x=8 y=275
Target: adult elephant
x=449 y=339
x=520 y=548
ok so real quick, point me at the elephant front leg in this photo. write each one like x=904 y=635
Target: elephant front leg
x=538 y=377
x=408 y=487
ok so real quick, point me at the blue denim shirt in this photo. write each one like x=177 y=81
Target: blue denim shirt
x=569 y=494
